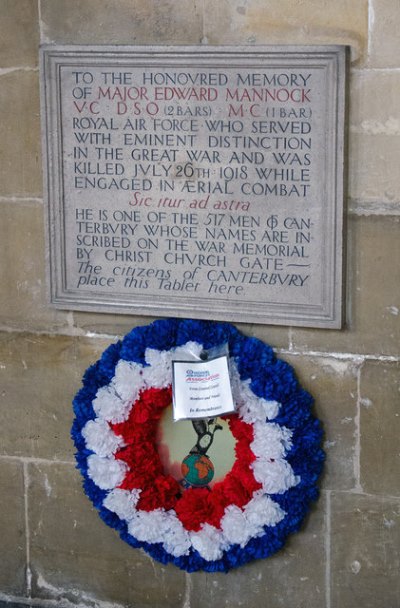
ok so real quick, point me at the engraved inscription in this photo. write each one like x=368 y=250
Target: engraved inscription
x=199 y=187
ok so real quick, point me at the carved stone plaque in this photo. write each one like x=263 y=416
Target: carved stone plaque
x=203 y=182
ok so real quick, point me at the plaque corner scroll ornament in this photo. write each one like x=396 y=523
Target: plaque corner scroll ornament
x=278 y=457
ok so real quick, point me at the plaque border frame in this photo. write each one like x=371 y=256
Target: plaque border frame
x=330 y=317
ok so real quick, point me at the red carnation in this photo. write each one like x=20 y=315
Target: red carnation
x=193 y=509
x=162 y=493
x=241 y=430
x=235 y=493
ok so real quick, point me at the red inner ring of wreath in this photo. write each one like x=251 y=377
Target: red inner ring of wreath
x=193 y=506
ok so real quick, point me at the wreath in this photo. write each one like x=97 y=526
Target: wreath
x=278 y=459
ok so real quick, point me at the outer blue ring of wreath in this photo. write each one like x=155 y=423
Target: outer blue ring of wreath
x=271 y=379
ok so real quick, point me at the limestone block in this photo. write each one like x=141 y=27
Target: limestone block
x=374 y=136
x=293 y=577
x=374 y=106
x=23 y=299
x=333 y=384
x=121 y=22
x=373 y=280
x=75 y=556
x=380 y=428
x=288 y=22
x=39 y=377
x=12 y=526
x=19 y=33
x=20 y=168
x=384 y=51
x=364 y=551
x=373 y=168
x=101 y=323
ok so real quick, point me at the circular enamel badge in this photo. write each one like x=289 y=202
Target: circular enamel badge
x=196 y=513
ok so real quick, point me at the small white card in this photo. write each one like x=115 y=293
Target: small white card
x=201 y=389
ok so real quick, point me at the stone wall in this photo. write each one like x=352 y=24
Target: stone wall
x=54 y=549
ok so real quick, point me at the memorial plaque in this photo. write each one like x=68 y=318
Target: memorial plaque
x=203 y=182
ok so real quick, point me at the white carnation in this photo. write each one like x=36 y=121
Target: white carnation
x=190 y=349
x=262 y=511
x=176 y=538
x=235 y=527
x=276 y=477
x=100 y=438
x=106 y=473
x=158 y=373
x=209 y=542
x=122 y=502
x=270 y=440
x=160 y=526
x=109 y=405
x=149 y=526
x=128 y=380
